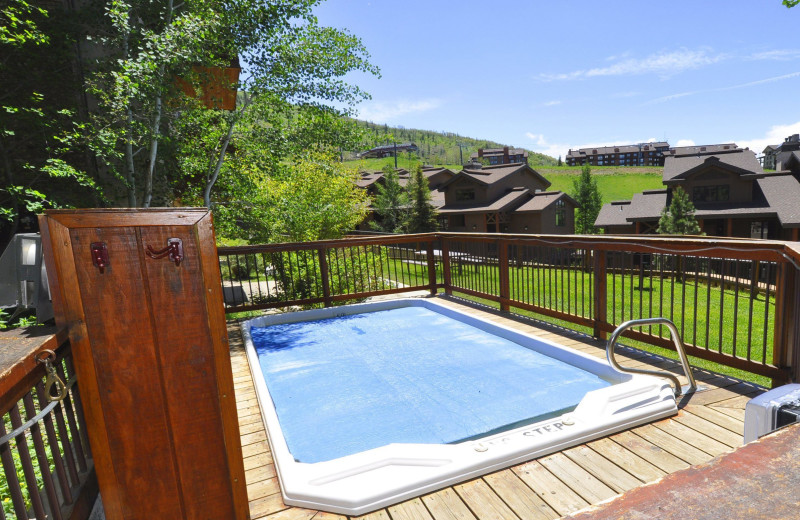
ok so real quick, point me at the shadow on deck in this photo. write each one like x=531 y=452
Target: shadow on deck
x=709 y=424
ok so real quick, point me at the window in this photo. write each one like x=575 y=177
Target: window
x=464 y=195
x=759 y=229
x=561 y=213
x=711 y=193
x=457 y=221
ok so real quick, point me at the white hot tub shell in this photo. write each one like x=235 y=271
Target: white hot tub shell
x=372 y=479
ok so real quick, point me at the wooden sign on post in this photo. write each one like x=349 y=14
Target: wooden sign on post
x=140 y=294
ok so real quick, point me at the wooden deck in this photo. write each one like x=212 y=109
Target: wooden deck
x=709 y=424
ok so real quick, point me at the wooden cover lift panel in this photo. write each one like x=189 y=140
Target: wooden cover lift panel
x=140 y=294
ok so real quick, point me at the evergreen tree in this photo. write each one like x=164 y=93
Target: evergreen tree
x=559 y=161
x=587 y=195
x=422 y=214
x=389 y=203
x=678 y=217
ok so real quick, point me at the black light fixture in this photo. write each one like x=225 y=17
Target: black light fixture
x=23 y=278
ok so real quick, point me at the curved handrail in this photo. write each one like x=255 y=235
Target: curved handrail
x=676 y=339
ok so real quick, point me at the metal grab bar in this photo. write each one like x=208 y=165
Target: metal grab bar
x=676 y=339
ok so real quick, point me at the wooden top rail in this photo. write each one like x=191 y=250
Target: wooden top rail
x=733 y=248
x=19 y=370
x=317 y=244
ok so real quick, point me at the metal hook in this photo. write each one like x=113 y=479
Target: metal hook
x=52 y=379
x=174 y=250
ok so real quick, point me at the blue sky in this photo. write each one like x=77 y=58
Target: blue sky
x=553 y=75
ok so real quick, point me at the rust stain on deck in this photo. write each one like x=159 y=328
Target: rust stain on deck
x=760 y=480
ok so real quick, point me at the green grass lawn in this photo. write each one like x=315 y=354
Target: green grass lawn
x=614 y=183
x=403 y=161
x=569 y=291
x=706 y=315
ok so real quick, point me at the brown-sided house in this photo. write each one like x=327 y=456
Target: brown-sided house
x=505 y=199
x=504 y=155
x=642 y=154
x=732 y=194
x=436 y=176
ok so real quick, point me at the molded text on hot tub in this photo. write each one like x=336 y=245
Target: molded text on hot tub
x=532 y=432
x=543 y=430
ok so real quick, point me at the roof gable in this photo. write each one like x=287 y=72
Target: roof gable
x=741 y=163
x=544 y=199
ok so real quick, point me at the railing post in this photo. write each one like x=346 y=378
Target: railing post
x=502 y=265
x=323 y=270
x=448 y=287
x=600 y=294
x=431 y=267
x=786 y=343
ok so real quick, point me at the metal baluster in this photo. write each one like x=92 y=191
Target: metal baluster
x=41 y=455
x=683 y=294
x=14 y=489
x=768 y=278
x=721 y=305
x=73 y=426
x=696 y=281
x=76 y=397
x=736 y=306
x=27 y=465
x=708 y=306
x=751 y=300
x=52 y=439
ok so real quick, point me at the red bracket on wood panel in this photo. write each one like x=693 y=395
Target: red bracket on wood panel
x=174 y=250
x=99 y=255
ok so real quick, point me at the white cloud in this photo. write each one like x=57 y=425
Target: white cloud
x=776 y=55
x=384 y=112
x=775 y=135
x=663 y=65
x=684 y=142
x=773 y=79
x=551 y=103
x=541 y=145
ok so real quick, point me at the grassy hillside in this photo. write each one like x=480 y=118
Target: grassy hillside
x=403 y=161
x=435 y=148
x=614 y=183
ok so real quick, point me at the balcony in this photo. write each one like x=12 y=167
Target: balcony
x=734 y=301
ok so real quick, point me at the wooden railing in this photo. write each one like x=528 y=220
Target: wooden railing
x=735 y=302
x=47 y=469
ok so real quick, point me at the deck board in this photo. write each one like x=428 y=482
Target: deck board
x=710 y=423
x=560 y=497
x=518 y=496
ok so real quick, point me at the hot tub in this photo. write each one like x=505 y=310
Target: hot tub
x=370 y=404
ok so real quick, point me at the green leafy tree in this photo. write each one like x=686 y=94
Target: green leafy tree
x=38 y=128
x=422 y=216
x=587 y=195
x=312 y=198
x=147 y=46
x=390 y=203
x=790 y=3
x=678 y=217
